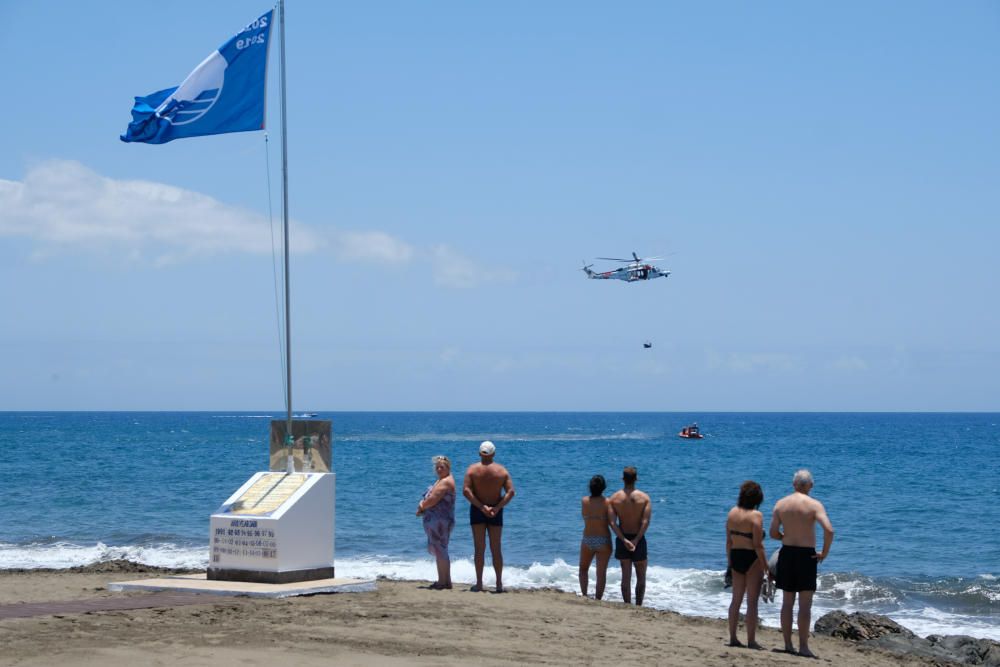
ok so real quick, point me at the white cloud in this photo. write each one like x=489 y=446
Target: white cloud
x=452 y=269
x=848 y=364
x=63 y=206
x=372 y=246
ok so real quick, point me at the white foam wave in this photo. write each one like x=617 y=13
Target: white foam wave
x=931 y=621
x=59 y=555
x=242 y=417
x=509 y=437
x=857 y=589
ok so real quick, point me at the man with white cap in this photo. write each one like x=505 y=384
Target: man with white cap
x=488 y=488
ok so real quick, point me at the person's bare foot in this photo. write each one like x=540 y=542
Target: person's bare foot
x=755 y=646
x=806 y=653
x=478 y=588
x=500 y=589
x=735 y=643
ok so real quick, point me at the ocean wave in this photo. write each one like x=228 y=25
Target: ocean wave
x=857 y=589
x=944 y=606
x=60 y=555
x=242 y=417
x=507 y=437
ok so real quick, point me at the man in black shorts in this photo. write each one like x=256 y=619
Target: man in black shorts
x=488 y=488
x=630 y=512
x=794 y=523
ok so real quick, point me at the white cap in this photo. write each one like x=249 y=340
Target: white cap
x=487 y=448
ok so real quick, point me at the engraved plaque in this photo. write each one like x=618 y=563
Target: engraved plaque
x=267 y=494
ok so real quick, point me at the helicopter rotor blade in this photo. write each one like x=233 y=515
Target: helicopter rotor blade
x=615 y=259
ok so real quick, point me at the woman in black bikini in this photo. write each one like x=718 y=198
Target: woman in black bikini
x=596 y=536
x=746 y=556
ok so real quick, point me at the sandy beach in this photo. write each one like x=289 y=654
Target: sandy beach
x=403 y=623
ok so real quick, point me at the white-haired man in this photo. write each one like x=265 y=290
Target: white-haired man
x=794 y=523
x=488 y=488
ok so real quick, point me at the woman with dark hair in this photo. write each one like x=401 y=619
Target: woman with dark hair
x=747 y=559
x=596 y=536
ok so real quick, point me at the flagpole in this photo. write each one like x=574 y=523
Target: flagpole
x=289 y=439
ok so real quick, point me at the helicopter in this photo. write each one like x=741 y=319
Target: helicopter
x=634 y=269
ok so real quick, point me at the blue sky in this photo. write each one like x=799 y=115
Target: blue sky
x=822 y=179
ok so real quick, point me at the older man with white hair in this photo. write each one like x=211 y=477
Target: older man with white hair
x=794 y=523
x=488 y=488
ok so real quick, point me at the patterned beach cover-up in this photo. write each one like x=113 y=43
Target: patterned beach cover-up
x=438 y=522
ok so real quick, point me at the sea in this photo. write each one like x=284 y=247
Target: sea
x=914 y=497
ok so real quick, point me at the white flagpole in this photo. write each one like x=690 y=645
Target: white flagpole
x=284 y=196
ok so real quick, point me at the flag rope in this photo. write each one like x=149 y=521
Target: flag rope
x=274 y=270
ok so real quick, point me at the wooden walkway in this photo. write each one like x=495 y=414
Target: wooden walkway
x=148 y=601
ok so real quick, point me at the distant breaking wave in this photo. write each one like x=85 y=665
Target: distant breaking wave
x=506 y=437
x=242 y=416
x=954 y=605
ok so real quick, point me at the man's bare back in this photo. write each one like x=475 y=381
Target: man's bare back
x=486 y=481
x=798 y=514
x=629 y=512
x=629 y=507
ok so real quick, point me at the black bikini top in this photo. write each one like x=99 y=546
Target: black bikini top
x=741 y=533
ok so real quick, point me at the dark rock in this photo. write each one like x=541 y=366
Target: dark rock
x=951 y=649
x=911 y=646
x=881 y=632
x=859 y=626
x=968 y=650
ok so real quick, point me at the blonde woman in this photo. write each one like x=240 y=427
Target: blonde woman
x=438 y=510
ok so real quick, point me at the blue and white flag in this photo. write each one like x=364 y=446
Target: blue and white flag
x=225 y=93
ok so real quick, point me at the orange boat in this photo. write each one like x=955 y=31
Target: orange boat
x=691 y=432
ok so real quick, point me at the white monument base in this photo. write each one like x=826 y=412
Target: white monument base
x=197 y=583
x=277 y=528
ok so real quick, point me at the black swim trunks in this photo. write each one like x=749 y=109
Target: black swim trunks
x=796 y=569
x=742 y=559
x=622 y=552
x=476 y=516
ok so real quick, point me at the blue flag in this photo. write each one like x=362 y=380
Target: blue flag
x=225 y=93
